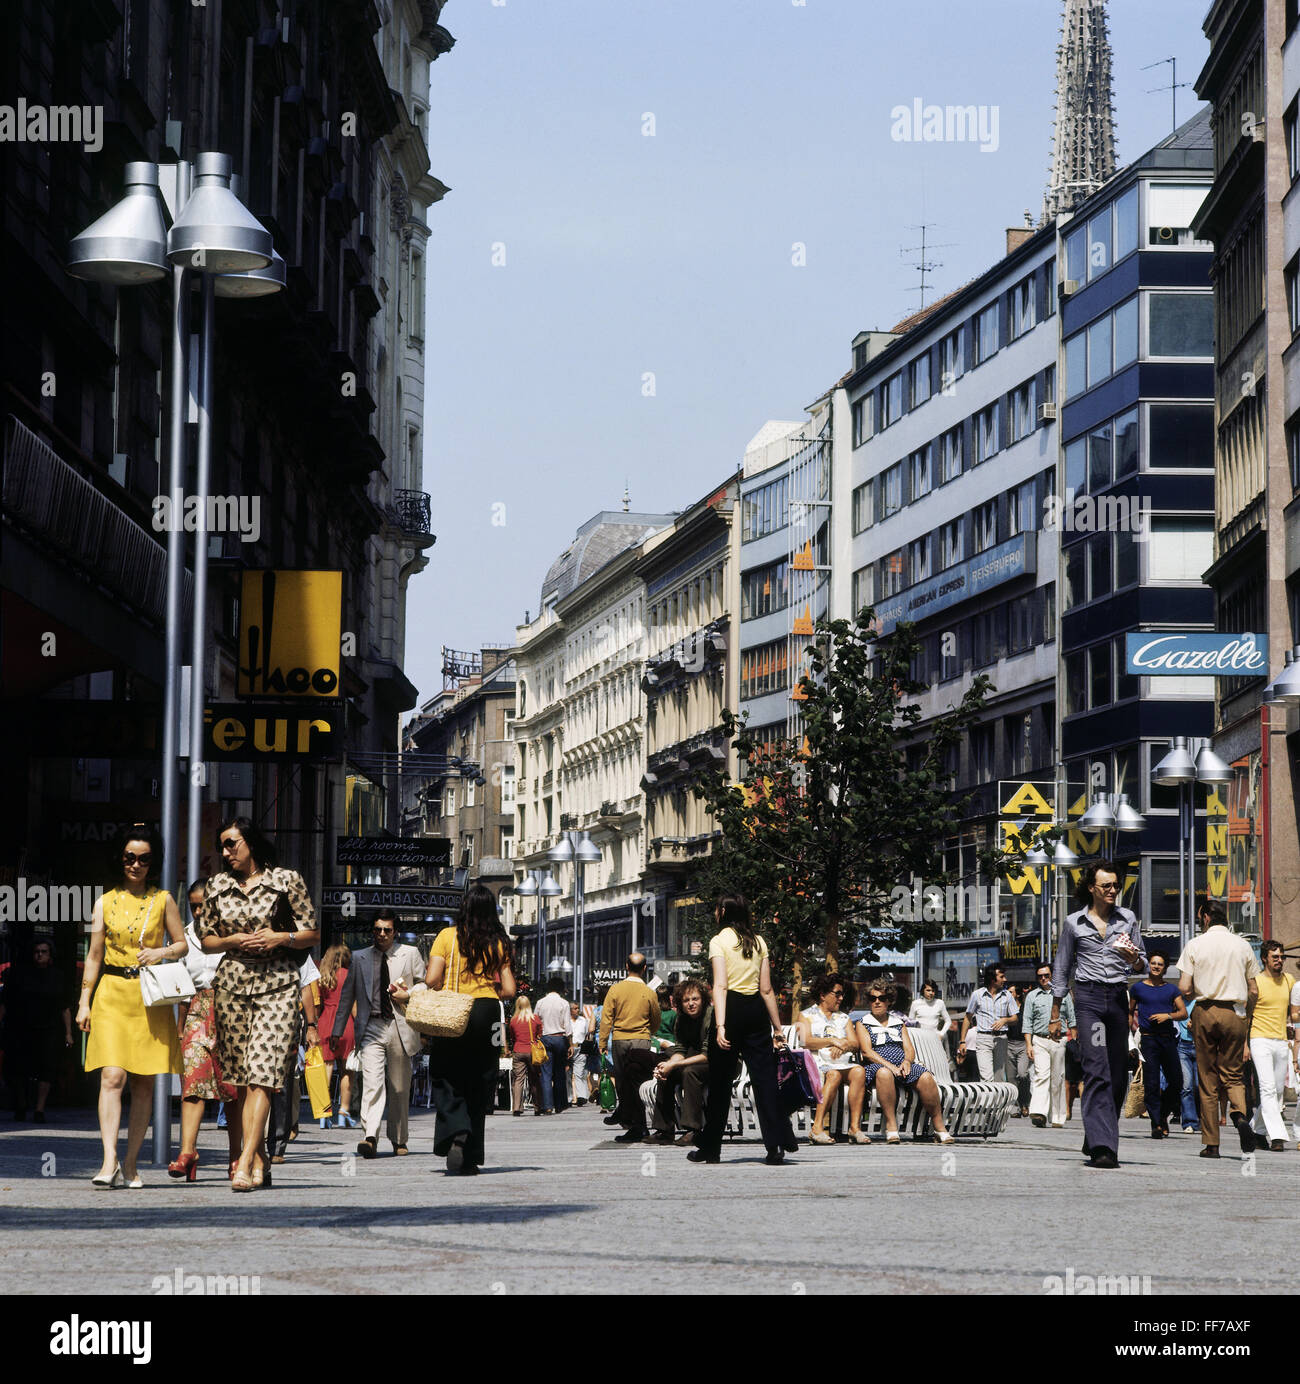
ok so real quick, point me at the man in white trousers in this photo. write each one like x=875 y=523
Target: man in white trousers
x=1046 y=1053
x=1267 y=1047
x=387 y=1043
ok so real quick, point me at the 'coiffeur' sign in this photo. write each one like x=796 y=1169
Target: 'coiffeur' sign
x=1182 y=654
x=289 y=630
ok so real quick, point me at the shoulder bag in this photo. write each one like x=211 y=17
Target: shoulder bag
x=168 y=982
x=441 y=1013
x=539 y=1053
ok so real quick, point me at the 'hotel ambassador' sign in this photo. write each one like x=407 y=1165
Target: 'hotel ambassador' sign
x=1182 y=654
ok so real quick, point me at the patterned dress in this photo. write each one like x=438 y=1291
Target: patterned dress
x=123 y=1033
x=887 y=1039
x=257 y=996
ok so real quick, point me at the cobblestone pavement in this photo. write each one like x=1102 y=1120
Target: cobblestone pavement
x=559 y=1208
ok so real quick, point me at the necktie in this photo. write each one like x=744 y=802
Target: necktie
x=385 y=999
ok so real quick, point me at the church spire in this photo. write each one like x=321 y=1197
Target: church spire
x=1083 y=146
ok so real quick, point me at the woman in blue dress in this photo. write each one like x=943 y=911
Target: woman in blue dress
x=890 y=1058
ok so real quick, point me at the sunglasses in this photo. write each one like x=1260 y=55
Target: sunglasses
x=1107 y=888
x=232 y=843
x=130 y=858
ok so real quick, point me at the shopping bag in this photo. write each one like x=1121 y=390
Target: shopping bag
x=318 y=1084
x=793 y=1085
x=608 y=1095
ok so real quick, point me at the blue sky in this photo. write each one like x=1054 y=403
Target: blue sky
x=627 y=253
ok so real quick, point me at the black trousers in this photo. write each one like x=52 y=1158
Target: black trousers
x=285 y=1104
x=1102 y=1013
x=1160 y=1054
x=749 y=1031
x=463 y=1080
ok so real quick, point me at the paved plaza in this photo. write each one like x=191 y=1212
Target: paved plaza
x=561 y=1209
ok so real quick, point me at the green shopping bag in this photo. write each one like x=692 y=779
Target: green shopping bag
x=608 y=1096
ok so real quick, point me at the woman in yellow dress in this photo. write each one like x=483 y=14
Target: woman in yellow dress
x=126 y=1039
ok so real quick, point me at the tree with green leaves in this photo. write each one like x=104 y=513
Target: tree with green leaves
x=824 y=834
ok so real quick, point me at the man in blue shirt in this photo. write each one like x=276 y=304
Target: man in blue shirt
x=1099 y=947
x=1155 y=1006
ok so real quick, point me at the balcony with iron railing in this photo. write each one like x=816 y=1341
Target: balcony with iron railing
x=412 y=512
x=62 y=510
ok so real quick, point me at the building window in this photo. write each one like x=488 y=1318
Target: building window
x=1293 y=452
x=986 y=433
x=765 y=590
x=918 y=560
x=1171 y=208
x=1291 y=277
x=1022 y=625
x=950 y=456
x=891 y=490
x=918 y=374
x=863 y=505
x=1099 y=350
x=1075 y=562
x=919 y=467
x=765 y=510
x=951 y=364
x=1021 y=412
x=891 y=573
x=1022 y=307
x=470 y=792
x=951 y=547
x=1180 y=325
x=1099 y=693
x=1180 y=435
x=765 y=669
x=864 y=587
x=1179 y=549
x=981 y=754
x=507 y=786
x=507 y=843
x=861 y=420
x=450 y=809
x=891 y=401
x=1076 y=255
x=985 y=532
x=1099 y=244
x=1099 y=458
x=1021 y=514
x=1126 y=444
x=986 y=334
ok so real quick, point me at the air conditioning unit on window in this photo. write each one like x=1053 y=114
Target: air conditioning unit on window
x=1069 y=287
x=1047 y=412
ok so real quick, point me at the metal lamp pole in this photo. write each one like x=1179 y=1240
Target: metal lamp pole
x=577 y=848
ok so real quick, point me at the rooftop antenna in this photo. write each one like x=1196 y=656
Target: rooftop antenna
x=1173 y=86
x=924 y=265
x=627 y=498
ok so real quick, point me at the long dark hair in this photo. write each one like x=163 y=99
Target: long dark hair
x=261 y=845
x=1088 y=877
x=733 y=912
x=484 y=943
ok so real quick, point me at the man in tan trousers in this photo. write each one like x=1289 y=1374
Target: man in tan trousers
x=1218 y=969
x=627 y=1022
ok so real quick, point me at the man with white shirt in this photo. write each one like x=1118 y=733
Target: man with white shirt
x=557 y=1035
x=581 y=1030
x=386 y=1041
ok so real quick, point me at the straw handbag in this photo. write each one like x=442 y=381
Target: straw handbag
x=441 y=1013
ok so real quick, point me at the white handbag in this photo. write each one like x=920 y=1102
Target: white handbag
x=167 y=983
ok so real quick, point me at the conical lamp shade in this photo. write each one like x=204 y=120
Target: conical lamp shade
x=1098 y=817
x=215 y=232
x=252 y=283
x=1126 y=818
x=1210 y=768
x=1064 y=856
x=1176 y=767
x=128 y=244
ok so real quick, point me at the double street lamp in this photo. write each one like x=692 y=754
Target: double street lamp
x=579 y=850
x=1179 y=770
x=540 y=886
x=214 y=235
x=1061 y=858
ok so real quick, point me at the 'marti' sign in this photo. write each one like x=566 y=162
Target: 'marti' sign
x=1182 y=653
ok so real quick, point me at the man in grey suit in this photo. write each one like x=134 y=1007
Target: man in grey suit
x=386 y=1042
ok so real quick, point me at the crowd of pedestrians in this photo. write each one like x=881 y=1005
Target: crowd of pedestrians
x=260 y=1001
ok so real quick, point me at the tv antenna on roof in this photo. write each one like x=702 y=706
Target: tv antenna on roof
x=1173 y=86
x=924 y=265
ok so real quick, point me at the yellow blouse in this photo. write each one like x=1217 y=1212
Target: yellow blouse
x=467 y=982
x=742 y=972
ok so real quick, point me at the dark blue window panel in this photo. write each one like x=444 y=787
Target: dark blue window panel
x=1106 y=399
x=1168 y=269
x=1102 y=294
x=1156 y=606
x=1122 y=725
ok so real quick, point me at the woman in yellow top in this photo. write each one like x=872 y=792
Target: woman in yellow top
x=474 y=958
x=133 y=926
x=747 y=1022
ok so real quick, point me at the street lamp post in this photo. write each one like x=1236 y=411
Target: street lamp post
x=1062 y=858
x=214 y=234
x=541 y=886
x=1179 y=770
x=579 y=850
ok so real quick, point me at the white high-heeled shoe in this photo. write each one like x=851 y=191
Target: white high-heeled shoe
x=107 y=1184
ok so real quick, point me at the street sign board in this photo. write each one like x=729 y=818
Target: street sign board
x=1183 y=653
x=391 y=896
x=392 y=850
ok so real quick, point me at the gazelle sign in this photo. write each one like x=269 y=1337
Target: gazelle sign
x=1183 y=653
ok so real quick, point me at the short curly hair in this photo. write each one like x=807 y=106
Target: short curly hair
x=882 y=989
x=826 y=982
x=684 y=987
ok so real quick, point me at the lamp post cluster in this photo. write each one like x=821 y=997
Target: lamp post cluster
x=577 y=849
x=1179 y=770
x=214 y=235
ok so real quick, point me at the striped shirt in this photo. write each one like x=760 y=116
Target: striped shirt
x=985 y=1006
